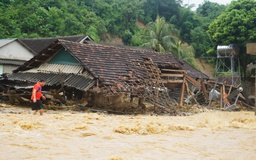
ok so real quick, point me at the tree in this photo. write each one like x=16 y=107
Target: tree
x=200 y=39
x=163 y=37
x=159 y=35
x=127 y=37
x=236 y=26
x=209 y=11
x=186 y=20
x=162 y=8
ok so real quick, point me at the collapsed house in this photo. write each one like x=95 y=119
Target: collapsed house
x=111 y=77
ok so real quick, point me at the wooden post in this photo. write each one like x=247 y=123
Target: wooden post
x=62 y=84
x=206 y=95
x=182 y=91
x=221 y=97
x=10 y=96
x=230 y=89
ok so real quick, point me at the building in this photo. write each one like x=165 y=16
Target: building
x=107 y=72
x=14 y=52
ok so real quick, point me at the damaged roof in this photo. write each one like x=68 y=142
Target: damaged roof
x=108 y=63
x=191 y=71
x=78 y=81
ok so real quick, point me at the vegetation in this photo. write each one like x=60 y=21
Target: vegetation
x=165 y=26
x=159 y=35
x=236 y=25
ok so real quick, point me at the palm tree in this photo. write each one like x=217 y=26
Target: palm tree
x=159 y=35
x=163 y=37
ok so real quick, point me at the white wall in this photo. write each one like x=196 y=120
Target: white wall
x=15 y=51
x=9 y=68
x=1 y=69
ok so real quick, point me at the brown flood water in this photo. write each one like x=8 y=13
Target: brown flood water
x=67 y=135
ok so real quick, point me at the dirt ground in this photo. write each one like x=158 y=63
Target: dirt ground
x=205 y=67
x=81 y=135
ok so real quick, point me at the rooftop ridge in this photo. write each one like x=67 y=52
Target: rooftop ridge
x=58 y=37
x=117 y=47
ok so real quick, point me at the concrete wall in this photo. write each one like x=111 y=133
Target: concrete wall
x=15 y=51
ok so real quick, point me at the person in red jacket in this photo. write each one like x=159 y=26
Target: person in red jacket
x=36 y=97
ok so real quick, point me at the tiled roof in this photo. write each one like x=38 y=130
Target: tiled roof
x=38 y=44
x=108 y=63
x=191 y=71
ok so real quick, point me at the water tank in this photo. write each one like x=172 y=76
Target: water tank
x=227 y=50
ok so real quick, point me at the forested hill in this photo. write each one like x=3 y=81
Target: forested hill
x=165 y=25
x=102 y=19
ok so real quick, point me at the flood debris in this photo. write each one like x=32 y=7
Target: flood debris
x=149 y=93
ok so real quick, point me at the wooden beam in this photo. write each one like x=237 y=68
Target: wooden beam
x=192 y=80
x=28 y=66
x=36 y=60
x=182 y=92
x=174 y=70
x=171 y=75
x=187 y=88
x=206 y=94
x=172 y=81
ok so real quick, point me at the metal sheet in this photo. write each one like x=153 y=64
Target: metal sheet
x=60 y=68
x=57 y=68
x=80 y=82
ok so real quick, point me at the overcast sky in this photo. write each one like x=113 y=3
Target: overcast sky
x=197 y=2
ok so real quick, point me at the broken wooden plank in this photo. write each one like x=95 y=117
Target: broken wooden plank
x=192 y=80
x=206 y=94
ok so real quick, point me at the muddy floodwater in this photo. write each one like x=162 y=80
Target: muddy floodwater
x=73 y=135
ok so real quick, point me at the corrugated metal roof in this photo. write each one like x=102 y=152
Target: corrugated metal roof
x=80 y=82
x=57 y=68
x=60 y=68
x=4 y=42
